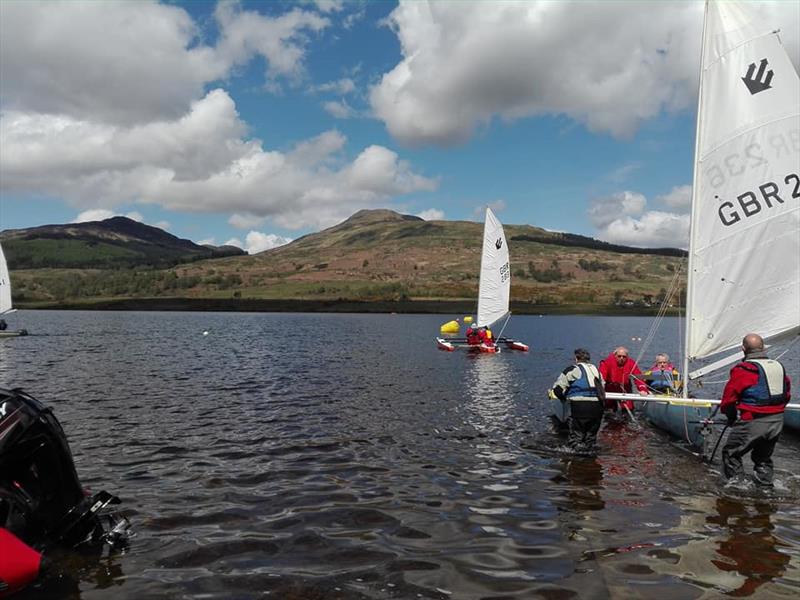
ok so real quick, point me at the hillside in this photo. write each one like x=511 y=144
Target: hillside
x=374 y=256
x=113 y=243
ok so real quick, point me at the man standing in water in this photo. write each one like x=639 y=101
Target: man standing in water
x=759 y=390
x=581 y=385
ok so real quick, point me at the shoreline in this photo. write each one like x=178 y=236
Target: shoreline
x=458 y=307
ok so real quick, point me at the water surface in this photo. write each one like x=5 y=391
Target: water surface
x=321 y=457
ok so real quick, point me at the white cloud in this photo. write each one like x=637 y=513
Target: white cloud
x=496 y=206
x=199 y=162
x=327 y=6
x=258 y=242
x=431 y=214
x=280 y=41
x=101 y=214
x=654 y=229
x=342 y=86
x=623 y=219
x=624 y=172
x=134 y=62
x=466 y=63
x=96 y=214
x=207 y=242
x=679 y=197
x=245 y=221
x=339 y=109
x=604 y=211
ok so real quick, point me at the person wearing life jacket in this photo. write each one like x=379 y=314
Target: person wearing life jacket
x=473 y=335
x=621 y=373
x=754 y=400
x=488 y=337
x=581 y=385
x=662 y=377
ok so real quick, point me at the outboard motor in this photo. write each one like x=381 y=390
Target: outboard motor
x=41 y=499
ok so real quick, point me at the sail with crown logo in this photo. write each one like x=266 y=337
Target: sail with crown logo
x=744 y=247
x=744 y=251
x=494 y=289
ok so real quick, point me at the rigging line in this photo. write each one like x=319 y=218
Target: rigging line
x=681 y=325
x=788 y=347
x=503 y=328
x=662 y=310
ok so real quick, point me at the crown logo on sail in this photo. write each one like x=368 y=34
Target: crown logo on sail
x=758 y=82
x=498 y=243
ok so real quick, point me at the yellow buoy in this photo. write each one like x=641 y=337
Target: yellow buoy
x=468 y=319
x=450 y=327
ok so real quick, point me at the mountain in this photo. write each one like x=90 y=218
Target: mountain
x=111 y=243
x=381 y=255
x=375 y=256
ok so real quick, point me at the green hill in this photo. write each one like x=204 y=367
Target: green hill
x=113 y=243
x=376 y=256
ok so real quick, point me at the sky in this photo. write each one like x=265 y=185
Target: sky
x=254 y=123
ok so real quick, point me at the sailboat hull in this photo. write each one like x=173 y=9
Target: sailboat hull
x=451 y=344
x=791 y=420
x=8 y=334
x=683 y=420
x=559 y=411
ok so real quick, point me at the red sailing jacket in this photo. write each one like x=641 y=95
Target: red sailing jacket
x=618 y=379
x=743 y=377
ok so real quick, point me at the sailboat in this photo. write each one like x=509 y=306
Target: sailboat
x=744 y=248
x=494 y=290
x=5 y=298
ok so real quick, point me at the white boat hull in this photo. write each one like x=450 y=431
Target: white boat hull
x=9 y=334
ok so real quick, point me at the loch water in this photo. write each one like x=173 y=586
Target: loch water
x=344 y=457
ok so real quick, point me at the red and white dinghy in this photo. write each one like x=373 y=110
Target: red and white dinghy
x=461 y=344
x=453 y=344
x=494 y=292
x=514 y=345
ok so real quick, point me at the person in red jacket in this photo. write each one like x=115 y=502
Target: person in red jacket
x=753 y=401
x=473 y=337
x=620 y=372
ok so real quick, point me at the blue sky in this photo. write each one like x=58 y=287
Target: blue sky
x=254 y=123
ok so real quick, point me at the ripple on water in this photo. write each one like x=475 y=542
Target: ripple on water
x=378 y=470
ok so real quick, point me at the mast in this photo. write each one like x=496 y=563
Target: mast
x=692 y=220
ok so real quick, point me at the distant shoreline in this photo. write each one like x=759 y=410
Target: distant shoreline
x=455 y=307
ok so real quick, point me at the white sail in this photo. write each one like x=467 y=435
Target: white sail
x=5 y=285
x=494 y=288
x=744 y=250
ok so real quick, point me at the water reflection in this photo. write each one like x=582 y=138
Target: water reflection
x=584 y=476
x=733 y=548
x=488 y=389
x=751 y=548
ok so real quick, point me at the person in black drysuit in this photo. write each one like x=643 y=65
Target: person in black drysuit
x=582 y=386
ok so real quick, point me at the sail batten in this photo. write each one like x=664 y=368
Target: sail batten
x=494 y=288
x=744 y=273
